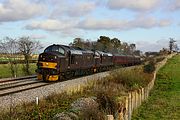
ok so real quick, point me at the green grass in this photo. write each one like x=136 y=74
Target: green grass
x=164 y=100
x=5 y=70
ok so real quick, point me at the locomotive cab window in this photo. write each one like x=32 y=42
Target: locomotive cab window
x=55 y=49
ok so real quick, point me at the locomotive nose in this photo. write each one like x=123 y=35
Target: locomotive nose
x=48 y=67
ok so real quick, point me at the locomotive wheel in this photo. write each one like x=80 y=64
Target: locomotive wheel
x=44 y=78
x=69 y=74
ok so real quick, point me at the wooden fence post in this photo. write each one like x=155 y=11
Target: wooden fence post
x=126 y=108
x=139 y=97
x=133 y=100
x=110 y=117
x=129 y=106
x=142 y=96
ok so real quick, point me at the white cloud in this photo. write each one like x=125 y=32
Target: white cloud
x=133 y=4
x=107 y=24
x=174 y=5
x=114 y=24
x=81 y=9
x=51 y=25
x=61 y=27
x=38 y=36
x=78 y=9
x=164 y=22
x=146 y=46
x=14 y=10
x=69 y=26
x=148 y=22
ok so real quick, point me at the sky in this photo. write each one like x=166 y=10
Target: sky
x=147 y=23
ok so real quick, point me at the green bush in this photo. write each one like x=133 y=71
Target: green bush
x=149 y=68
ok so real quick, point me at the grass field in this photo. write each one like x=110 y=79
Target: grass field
x=5 y=70
x=164 y=100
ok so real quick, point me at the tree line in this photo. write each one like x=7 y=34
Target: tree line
x=107 y=44
x=12 y=47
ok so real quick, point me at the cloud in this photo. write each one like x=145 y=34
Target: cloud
x=164 y=22
x=76 y=10
x=58 y=27
x=70 y=26
x=146 y=46
x=114 y=24
x=51 y=25
x=138 y=5
x=38 y=36
x=174 y=5
x=106 y=24
x=148 y=22
x=14 y=10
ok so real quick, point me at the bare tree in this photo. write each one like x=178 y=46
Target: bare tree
x=132 y=48
x=26 y=47
x=171 y=44
x=8 y=48
x=176 y=47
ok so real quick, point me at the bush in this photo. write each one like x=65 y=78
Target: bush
x=107 y=102
x=149 y=68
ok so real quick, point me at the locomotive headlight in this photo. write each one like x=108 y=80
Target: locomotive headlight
x=55 y=57
x=47 y=64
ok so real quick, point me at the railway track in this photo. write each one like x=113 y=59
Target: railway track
x=17 y=79
x=11 y=86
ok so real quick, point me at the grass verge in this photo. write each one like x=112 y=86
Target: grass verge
x=107 y=92
x=163 y=102
x=5 y=70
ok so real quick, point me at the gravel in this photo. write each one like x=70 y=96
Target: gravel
x=42 y=92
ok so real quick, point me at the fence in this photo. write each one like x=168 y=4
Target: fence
x=135 y=98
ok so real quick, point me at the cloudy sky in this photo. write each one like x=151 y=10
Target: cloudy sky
x=147 y=23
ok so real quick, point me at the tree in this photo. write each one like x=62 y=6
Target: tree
x=137 y=52
x=77 y=42
x=163 y=51
x=104 y=43
x=132 y=48
x=26 y=47
x=116 y=43
x=171 y=44
x=176 y=47
x=8 y=48
x=125 y=48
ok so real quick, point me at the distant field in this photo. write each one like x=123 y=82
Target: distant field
x=4 y=59
x=5 y=70
x=164 y=100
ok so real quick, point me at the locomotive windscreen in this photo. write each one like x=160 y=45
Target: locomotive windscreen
x=55 y=48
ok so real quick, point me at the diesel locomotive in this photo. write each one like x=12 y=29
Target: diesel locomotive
x=61 y=61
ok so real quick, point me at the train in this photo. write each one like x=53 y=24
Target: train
x=60 y=61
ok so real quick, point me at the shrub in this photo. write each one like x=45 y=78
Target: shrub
x=149 y=68
x=107 y=102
